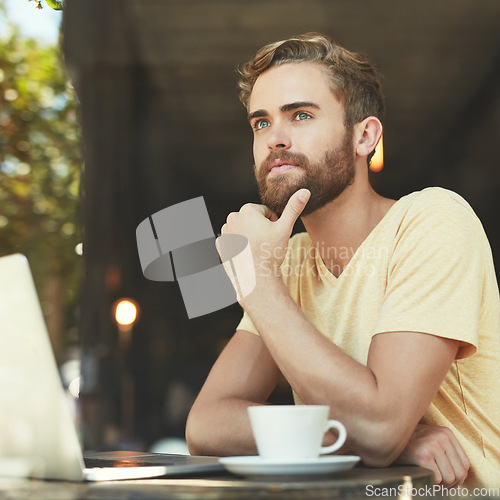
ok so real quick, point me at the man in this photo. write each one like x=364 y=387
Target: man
x=387 y=311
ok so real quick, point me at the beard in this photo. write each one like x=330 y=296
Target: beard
x=327 y=179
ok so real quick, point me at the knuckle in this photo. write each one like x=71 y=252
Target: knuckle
x=438 y=478
x=462 y=476
x=424 y=456
x=446 y=432
x=444 y=436
x=449 y=481
x=247 y=207
x=434 y=445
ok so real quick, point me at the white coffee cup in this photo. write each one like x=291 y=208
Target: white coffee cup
x=287 y=432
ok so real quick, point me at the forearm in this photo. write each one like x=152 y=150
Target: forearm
x=380 y=403
x=244 y=374
x=221 y=428
x=321 y=373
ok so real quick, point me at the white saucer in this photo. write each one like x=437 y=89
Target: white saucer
x=256 y=466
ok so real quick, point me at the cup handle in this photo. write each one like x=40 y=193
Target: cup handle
x=335 y=424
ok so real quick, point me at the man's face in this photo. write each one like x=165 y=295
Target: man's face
x=299 y=137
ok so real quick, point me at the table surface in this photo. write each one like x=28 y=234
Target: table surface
x=360 y=482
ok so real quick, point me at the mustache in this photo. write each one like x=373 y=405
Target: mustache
x=299 y=159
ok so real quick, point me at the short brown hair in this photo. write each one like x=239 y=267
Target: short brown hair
x=353 y=79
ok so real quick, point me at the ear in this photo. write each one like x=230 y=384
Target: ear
x=366 y=135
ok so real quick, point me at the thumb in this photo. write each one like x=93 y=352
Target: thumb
x=294 y=207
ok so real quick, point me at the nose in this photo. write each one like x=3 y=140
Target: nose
x=279 y=138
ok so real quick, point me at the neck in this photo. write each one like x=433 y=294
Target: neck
x=340 y=227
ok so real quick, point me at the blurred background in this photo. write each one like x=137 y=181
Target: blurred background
x=133 y=107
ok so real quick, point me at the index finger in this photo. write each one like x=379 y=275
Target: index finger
x=264 y=210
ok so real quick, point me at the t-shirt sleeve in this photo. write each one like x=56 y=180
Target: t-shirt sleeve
x=435 y=274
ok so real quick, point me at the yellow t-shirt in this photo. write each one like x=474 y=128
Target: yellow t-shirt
x=426 y=267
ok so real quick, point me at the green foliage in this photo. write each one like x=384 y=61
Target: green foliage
x=54 y=4
x=40 y=163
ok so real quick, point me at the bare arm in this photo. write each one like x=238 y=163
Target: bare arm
x=245 y=374
x=380 y=403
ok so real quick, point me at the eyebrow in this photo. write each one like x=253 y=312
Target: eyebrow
x=260 y=113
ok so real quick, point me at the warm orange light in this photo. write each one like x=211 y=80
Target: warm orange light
x=126 y=312
x=377 y=163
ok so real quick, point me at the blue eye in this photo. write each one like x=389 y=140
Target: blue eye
x=302 y=116
x=260 y=124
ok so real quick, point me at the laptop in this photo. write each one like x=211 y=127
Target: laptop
x=38 y=437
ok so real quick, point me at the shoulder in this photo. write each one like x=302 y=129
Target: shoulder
x=435 y=197
x=436 y=207
x=438 y=217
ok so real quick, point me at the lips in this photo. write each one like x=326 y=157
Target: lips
x=280 y=166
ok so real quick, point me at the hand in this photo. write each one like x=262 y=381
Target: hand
x=437 y=449
x=267 y=236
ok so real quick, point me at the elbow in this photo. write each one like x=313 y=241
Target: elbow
x=193 y=434
x=384 y=445
x=378 y=458
x=192 y=444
